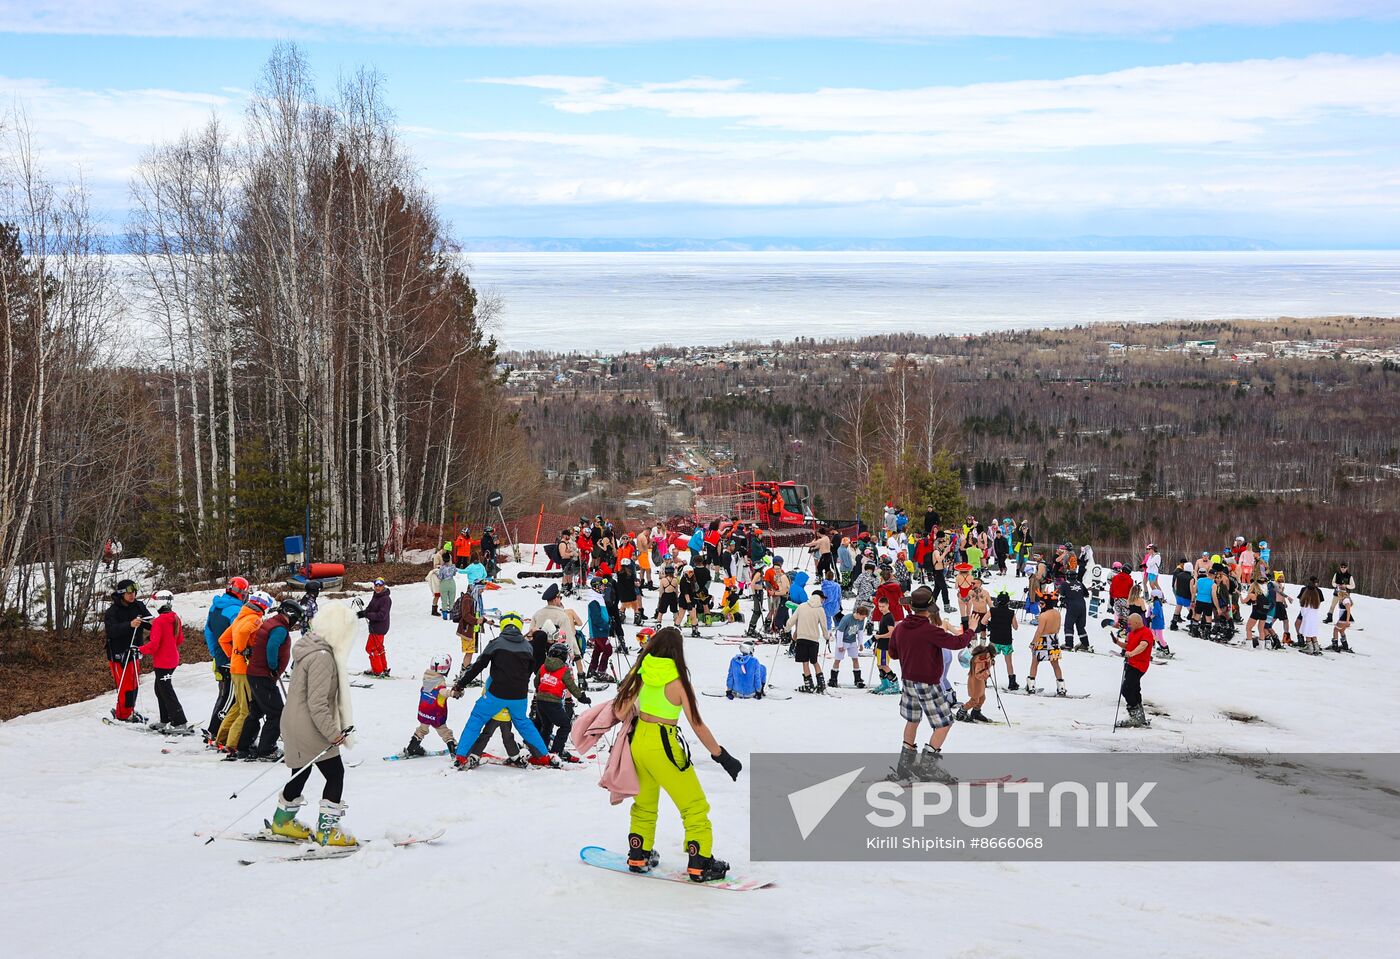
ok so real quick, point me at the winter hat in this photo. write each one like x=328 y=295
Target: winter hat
x=551 y=592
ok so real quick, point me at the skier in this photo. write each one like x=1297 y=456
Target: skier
x=1137 y=652
x=269 y=652
x=625 y=588
x=554 y=684
x=830 y=592
x=376 y=613
x=446 y=585
x=236 y=641
x=1119 y=588
x=221 y=614
x=566 y=622
x=849 y=637
x=1341 y=578
x=510 y=658
x=1002 y=623
x=315 y=724
x=123 y=622
x=1309 y=622
x=1181 y=587
x=435 y=586
x=599 y=632
x=979 y=671
x=884 y=632
x=1158 y=616
x=668 y=597
x=167 y=633
x=747 y=676
x=462 y=547
x=309 y=602
x=808 y=630
x=756 y=593
x=1343 y=603
x=432 y=708
x=658 y=688
x=1045 y=644
x=1074 y=596
x=488 y=552
x=918 y=643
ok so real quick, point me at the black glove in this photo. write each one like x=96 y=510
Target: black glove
x=361 y=614
x=583 y=698
x=730 y=764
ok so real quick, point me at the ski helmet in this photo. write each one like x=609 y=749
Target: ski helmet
x=490 y=528
x=313 y=587
x=746 y=648
x=164 y=598
x=512 y=619
x=238 y=586
x=261 y=601
x=442 y=664
x=292 y=610
x=598 y=584
x=559 y=651
x=644 y=635
x=126 y=586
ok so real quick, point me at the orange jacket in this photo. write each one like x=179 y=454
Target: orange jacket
x=237 y=639
x=462 y=546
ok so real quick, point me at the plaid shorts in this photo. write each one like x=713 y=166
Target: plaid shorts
x=917 y=700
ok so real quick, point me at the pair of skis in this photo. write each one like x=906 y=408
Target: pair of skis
x=312 y=851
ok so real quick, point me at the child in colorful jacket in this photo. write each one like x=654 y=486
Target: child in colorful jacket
x=432 y=708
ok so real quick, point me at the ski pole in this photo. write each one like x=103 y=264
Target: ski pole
x=343 y=733
x=997 y=690
x=1118 y=703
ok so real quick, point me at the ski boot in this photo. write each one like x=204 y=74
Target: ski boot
x=903 y=769
x=465 y=762
x=518 y=761
x=548 y=759
x=960 y=715
x=1137 y=719
x=636 y=619
x=834 y=680
x=806 y=686
x=414 y=747
x=328 y=831
x=1345 y=648
x=729 y=694
x=1060 y=689
x=821 y=682
x=639 y=859
x=978 y=717
x=1030 y=686
x=1327 y=618
x=567 y=757
x=1174 y=625
x=1012 y=685
x=285 y=823
x=695 y=632
x=859 y=683
x=704 y=868
x=435 y=610
x=1334 y=646
x=1084 y=646
x=929 y=767
x=452 y=747
x=273 y=755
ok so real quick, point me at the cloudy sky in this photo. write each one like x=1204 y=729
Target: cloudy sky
x=1273 y=119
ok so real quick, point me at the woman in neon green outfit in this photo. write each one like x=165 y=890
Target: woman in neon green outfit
x=659 y=686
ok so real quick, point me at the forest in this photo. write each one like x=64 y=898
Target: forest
x=283 y=341
x=1116 y=434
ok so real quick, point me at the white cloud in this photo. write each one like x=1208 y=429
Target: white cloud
x=625 y=21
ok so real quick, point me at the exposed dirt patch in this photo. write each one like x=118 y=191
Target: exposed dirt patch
x=40 y=670
x=1238 y=717
x=395 y=574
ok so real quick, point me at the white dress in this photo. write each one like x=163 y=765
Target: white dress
x=1312 y=621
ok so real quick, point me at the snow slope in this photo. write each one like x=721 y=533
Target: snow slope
x=97 y=829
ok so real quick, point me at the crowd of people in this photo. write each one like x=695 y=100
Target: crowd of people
x=910 y=596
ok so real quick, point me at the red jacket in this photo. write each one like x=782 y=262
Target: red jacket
x=167 y=633
x=1120 y=585
x=919 y=645
x=1142 y=660
x=892 y=592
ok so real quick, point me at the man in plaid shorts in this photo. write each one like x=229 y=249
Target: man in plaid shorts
x=918 y=643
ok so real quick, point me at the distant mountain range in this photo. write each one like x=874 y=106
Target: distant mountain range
x=776 y=244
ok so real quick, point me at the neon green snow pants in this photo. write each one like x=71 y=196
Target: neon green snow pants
x=656 y=771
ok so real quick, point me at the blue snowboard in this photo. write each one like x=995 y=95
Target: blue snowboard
x=617 y=862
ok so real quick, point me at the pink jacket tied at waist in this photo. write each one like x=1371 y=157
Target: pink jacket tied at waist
x=619 y=775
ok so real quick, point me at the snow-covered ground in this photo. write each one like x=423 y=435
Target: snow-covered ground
x=97 y=829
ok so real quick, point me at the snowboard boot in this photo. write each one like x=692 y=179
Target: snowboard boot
x=284 y=820
x=639 y=859
x=414 y=747
x=833 y=680
x=1030 y=686
x=704 y=868
x=821 y=682
x=1060 y=689
x=860 y=683
x=1011 y=684
x=977 y=717
x=929 y=767
x=328 y=831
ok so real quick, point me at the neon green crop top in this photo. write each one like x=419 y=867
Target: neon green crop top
x=656 y=673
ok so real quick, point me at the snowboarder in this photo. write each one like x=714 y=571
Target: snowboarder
x=376 y=613
x=167 y=633
x=123 y=621
x=747 y=676
x=432 y=707
x=316 y=723
x=658 y=688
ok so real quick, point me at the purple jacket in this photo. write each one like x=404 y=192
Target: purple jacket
x=377 y=612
